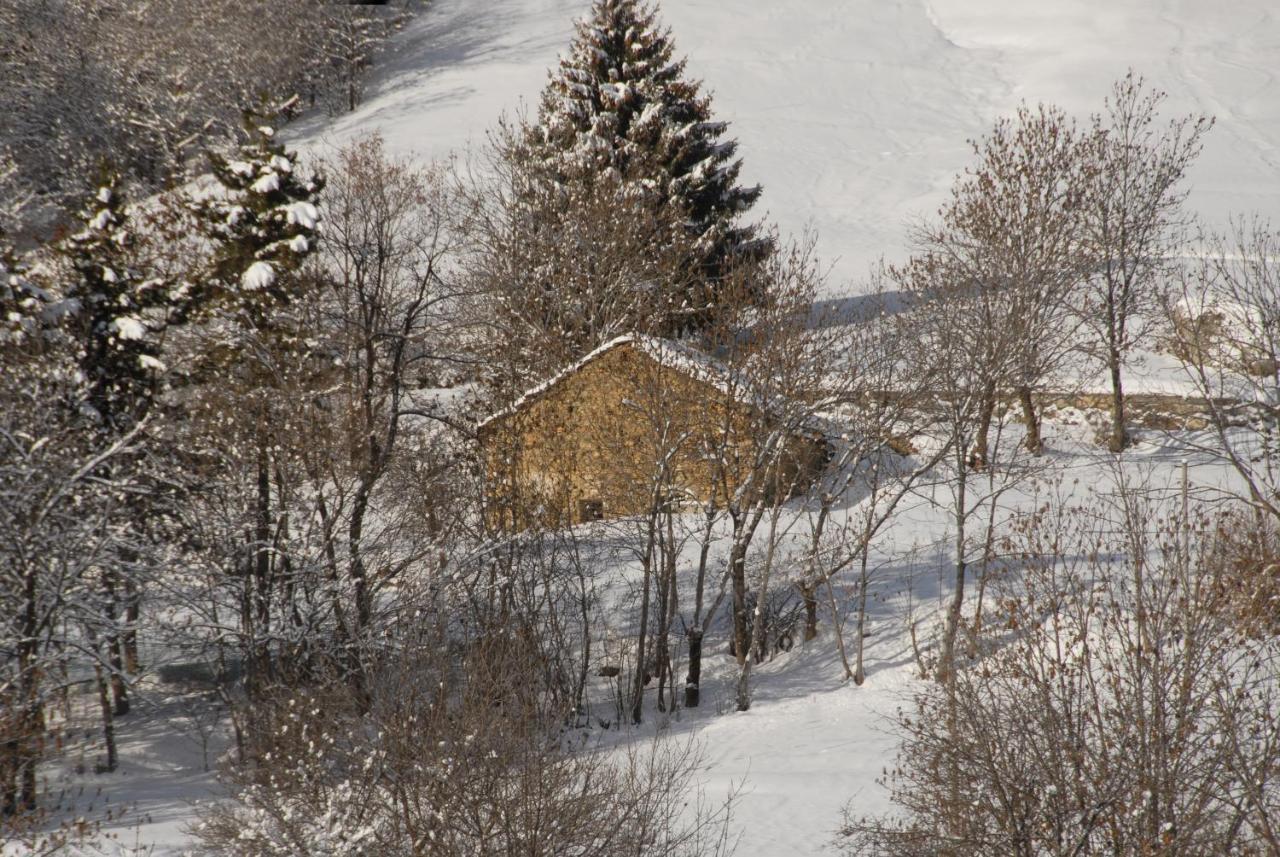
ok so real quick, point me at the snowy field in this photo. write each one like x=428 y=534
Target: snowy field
x=853 y=114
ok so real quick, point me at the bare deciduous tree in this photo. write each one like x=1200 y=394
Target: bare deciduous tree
x=964 y=361
x=559 y=271
x=875 y=467
x=77 y=85
x=1224 y=326
x=1012 y=225
x=1115 y=709
x=1132 y=220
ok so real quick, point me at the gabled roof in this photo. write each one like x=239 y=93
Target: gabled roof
x=669 y=353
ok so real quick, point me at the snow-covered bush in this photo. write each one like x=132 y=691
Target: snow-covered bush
x=447 y=753
x=1115 y=707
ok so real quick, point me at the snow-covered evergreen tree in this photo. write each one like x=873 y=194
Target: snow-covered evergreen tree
x=110 y=308
x=619 y=108
x=262 y=220
x=22 y=304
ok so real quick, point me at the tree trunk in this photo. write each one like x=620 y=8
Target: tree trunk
x=694 y=676
x=19 y=757
x=9 y=763
x=809 y=595
x=661 y=638
x=741 y=643
x=1035 y=445
x=132 y=614
x=981 y=444
x=119 y=690
x=691 y=689
x=637 y=701
x=809 y=585
x=671 y=600
x=584 y=668
x=363 y=595
x=108 y=723
x=1119 y=438
x=838 y=627
x=757 y=627
x=946 y=660
x=859 y=673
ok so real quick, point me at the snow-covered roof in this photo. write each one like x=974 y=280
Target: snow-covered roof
x=670 y=353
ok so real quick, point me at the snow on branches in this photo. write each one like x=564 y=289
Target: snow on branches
x=620 y=110
x=260 y=216
x=23 y=305
x=113 y=309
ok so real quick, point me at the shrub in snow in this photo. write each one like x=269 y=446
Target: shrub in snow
x=444 y=754
x=1115 y=707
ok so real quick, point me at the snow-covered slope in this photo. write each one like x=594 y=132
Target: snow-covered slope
x=854 y=114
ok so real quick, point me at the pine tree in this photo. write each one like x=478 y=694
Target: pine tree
x=619 y=109
x=110 y=307
x=22 y=304
x=113 y=313
x=262 y=221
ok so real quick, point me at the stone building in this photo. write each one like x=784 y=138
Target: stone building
x=640 y=422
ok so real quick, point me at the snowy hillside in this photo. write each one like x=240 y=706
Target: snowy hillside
x=854 y=115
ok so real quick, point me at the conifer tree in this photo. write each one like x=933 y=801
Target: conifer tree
x=110 y=306
x=262 y=220
x=620 y=109
x=22 y=303
x=113 y=312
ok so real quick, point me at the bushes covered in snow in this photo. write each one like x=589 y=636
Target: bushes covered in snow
x=448 y=752
x=1115 y=706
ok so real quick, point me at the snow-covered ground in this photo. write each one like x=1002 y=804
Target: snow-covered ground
x=811 y=743
x=145 y=807
x=853 y=114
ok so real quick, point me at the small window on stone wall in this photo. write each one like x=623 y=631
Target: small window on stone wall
x=590 y=510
